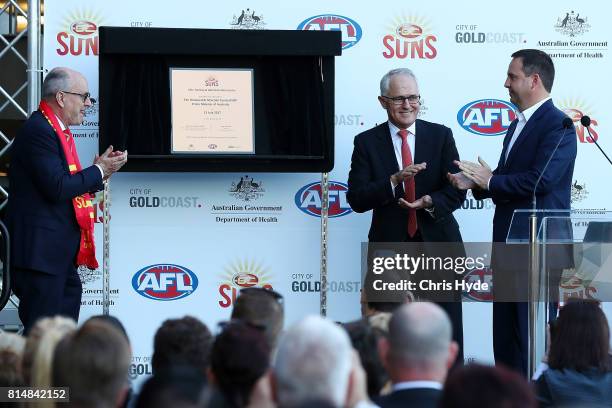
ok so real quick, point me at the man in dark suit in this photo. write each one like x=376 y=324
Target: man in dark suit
x=528 y=146
x=417 y=354
x=398 y=170
x=50 y=215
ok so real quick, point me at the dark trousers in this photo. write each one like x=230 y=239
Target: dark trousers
x=41 y=294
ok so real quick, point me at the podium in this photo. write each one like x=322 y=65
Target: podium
x=568 y=254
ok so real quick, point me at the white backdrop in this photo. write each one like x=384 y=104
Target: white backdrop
x=269 y=233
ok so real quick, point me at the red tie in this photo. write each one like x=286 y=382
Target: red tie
x=409 y=190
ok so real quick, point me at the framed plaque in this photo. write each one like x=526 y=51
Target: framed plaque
x=212 y=111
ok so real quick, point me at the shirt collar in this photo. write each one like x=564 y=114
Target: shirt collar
x=527 y=113
x=394 y=129
x=408 y=385
x=64 y=127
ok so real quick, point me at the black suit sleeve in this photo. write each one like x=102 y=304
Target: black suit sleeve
x=364 y=192
x=48 y=171
x=447 y=199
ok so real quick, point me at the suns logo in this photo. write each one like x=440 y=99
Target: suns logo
x=164 y=282
x=575 y=109
x=486 y=117
x=309 y=199
x=79 y=35
x=239 y=275
x=409 y=37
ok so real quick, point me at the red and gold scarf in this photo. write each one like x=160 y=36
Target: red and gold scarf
x=83 y=207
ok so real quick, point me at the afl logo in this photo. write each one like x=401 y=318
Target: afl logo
x=165 y=282
x=351 y=31
x=409 y=31
x=84 y=28
x=487 y=117
x=483 y=275
x=309 y=199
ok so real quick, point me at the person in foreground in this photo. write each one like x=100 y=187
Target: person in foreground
x=50 y=213
x=536 y=140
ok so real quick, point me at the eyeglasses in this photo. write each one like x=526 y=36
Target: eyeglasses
x=254 y=290
x=84 y=96
x=399 y=100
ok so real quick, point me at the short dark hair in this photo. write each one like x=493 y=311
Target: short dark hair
x=240 y=356
x=177 y=387
x=181 y=342
x=93 y=362
x=364 y=339
x=113 y=321
x=537 y=62
x=475 y=386
x=261 y=307
x=581 y=338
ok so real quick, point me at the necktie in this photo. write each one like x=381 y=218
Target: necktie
x=69 y=139
x=409 y=189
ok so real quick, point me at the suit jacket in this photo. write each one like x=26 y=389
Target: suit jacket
x=40 y=217
x=413 y=397
x=515 y=179
x=369 y=188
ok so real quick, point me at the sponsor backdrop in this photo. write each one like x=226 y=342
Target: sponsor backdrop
x=186 y=243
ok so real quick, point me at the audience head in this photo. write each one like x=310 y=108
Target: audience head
x=93 y=362
x=364 y=338
x=313 y=362
x=11 y=353
x=181 y=387
x=181 y=342
x=113 y=321
x=40 y=346
x=261 y=307
x=580 y=338
x=419 y=344
x=240 y=356
x=476 y=386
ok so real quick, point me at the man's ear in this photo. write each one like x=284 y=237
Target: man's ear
x=453 y=349
x=59 y=99
x=383 y=102
x=383 y=351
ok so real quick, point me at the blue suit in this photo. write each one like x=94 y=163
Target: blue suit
x=42 y=225
x=511 y=188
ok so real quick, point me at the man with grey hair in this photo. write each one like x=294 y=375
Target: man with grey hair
x=50 y=212
x=399 y=171
x=417 y=355
x=316 y=363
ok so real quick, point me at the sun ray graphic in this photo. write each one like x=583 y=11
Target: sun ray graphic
x=577 y=104
x=415 y=19
x=246 y=266
x=82 y=14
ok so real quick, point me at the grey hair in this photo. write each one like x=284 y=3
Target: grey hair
x=58 y=79
x=420 y=335
x=313 y=362
x=384 y=81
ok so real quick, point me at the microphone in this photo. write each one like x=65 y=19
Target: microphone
x=586 y=122
x=567 y=124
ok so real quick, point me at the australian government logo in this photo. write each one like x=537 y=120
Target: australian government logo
x=248 y=20
x=579 y=192
x=248 y=205
x=578 y=45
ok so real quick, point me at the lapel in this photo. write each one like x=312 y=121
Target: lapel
x=529 y=127
x=507 y=138
x=385 y=147
x=422 y=148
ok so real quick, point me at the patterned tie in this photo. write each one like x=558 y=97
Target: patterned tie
x=409 y=189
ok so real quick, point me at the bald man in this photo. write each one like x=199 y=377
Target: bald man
x=50 y=214
x=417 y=354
